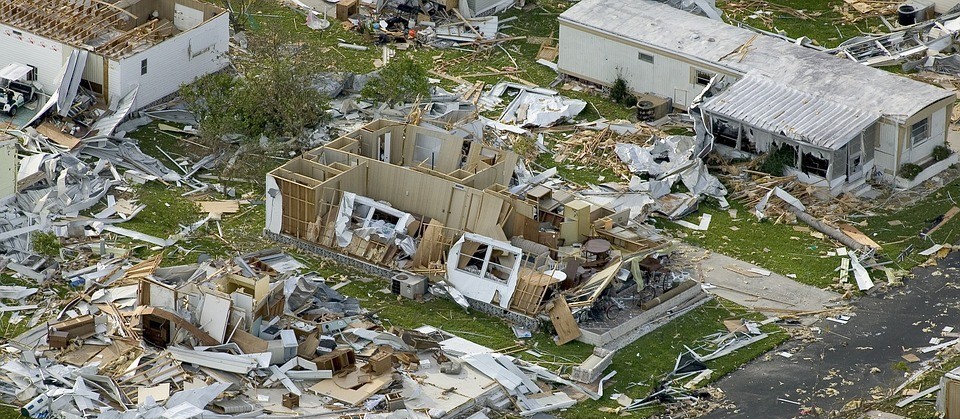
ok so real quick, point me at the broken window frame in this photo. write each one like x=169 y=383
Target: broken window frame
x=919 y=132
x=366 y=214
x=726 y=137
x=489 y=268
x=748 y=143
x=701 y=77
x=809 y=163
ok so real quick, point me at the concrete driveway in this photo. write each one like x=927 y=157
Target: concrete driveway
x=769 y=293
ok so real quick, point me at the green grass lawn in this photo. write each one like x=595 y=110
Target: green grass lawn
x=819 y=20
x=645 y=361
x=910 y=221
x=777 y=247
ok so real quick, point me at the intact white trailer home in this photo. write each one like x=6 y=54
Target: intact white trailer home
x=844 y=122
x=154 y=44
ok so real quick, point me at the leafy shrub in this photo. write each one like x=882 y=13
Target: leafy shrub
x=630 y=101
x=909 y=171
x=619 y=91
x=778 y=159
x=47 y=244
x=941 y=152
x=402 y=80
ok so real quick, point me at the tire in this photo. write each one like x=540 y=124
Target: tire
x=13 y=111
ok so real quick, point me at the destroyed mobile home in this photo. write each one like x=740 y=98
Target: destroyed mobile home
x=254 y=336
x=110 y=49
x=418 y=201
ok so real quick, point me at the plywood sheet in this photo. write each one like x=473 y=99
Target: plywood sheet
x=946 y=218
x=563 y=321
x=858 y=236
x=352 y=396
x=219 y=207
x=430 y=248
x=158 y=393
x=50 y=131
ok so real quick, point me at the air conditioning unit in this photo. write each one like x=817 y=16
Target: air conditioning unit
x=408 y=285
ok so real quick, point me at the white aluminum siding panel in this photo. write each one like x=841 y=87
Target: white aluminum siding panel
x=943 y=6
x=114 y=82
x=587 y=55
x=44 y=54
x=176 y=61
x=938 y=135
x=8 y=168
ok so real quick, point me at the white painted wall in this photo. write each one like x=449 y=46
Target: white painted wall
x=175 y=61
x=274 y=206
x=475 y=287
x=8 y=168
x=44 y=54
x=592 y=57
x=938 y=134
x=163 y=297
x=942 y=6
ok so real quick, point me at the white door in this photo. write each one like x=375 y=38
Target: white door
x=680 y=98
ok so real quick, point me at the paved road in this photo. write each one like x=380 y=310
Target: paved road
x=836 y=369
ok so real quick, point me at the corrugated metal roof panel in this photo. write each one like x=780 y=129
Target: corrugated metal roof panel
x=762 y=102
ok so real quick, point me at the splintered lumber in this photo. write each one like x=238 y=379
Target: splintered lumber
x=858 y=235
x=946 y=218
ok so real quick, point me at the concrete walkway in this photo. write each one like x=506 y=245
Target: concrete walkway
x=773 y=294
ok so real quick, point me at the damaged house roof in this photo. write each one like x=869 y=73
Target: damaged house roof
x=111 y=28
x=660 y=27
x=801 y=116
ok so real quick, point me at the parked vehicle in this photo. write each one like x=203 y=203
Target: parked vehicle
x=10 y=101
x=18 y=86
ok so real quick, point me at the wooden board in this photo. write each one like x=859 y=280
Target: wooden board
x=430 y=247
x=50 y=131
x=350 y=396
x=220 y=207
x=858 y=236
x=563 y=321
x=531 y=287
x=946 y=218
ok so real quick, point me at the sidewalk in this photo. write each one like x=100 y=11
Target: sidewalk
x=773 y=294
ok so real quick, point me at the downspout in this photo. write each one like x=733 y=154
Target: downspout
x=896 y=156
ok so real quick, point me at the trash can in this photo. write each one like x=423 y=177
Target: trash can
x=906 y=15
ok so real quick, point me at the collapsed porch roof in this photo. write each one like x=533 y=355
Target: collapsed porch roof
x=763 y=103
x=14 y=71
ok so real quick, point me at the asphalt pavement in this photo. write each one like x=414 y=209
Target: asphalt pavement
x=850 y=360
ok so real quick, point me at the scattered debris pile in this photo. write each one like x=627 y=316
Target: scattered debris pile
x=594 y=145
x=253 y=335
x=406 y=24
x=929 y=44
x=751 y=188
